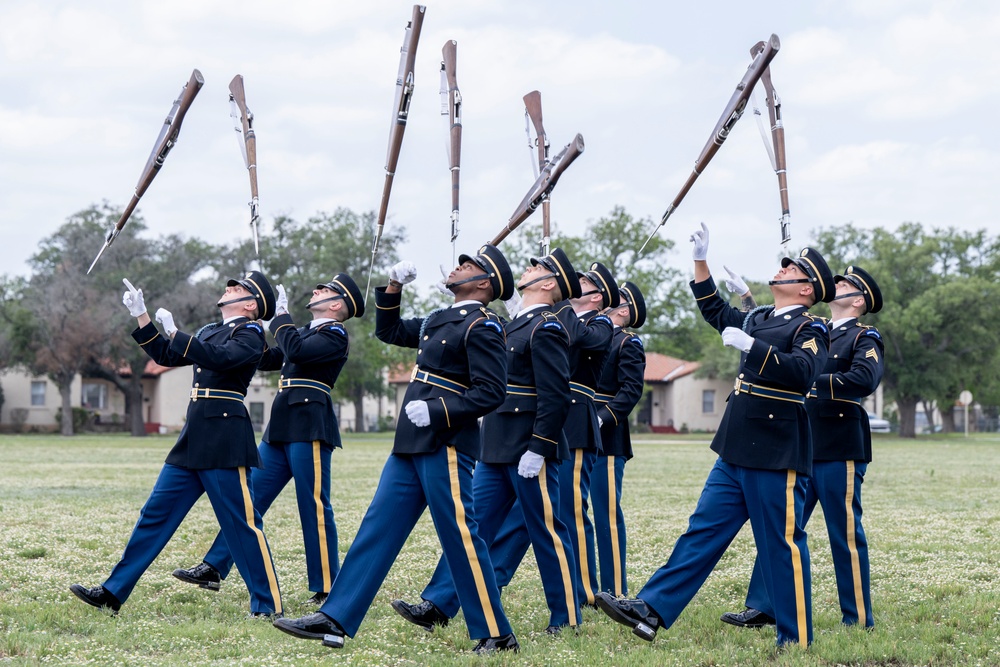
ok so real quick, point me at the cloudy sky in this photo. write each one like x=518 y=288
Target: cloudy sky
x=890 y=111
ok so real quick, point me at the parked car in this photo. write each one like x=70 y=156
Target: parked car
x=879 y=425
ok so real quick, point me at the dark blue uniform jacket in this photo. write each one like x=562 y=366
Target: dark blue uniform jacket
x=619 y=392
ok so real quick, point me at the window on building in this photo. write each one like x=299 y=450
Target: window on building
x=94 y=395
x=257 y=415
x=38 y=392
x=708 y=401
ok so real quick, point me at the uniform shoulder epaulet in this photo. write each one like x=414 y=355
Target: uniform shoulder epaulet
x=549 y=320
x=252 y=325
x=565 y=306
x=335 y=327
x=868 y=330
x=815 y=322
x=631 y=336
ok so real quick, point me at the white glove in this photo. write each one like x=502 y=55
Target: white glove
x=164 y=317
x=403 y=272
x=734 y=283
x=513 y=304
x=530 y=464
x=600 y=423
x=733 y=337
x=441 y=285
x=700 y=240
x=133 y=300
x=418 y=413
x=281 y=302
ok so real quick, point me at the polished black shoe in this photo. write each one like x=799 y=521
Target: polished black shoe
x=203 y=575
x=553 y=630
x=96 y=597
x=313 y=626
x=426 y=614
x=748 y=618
x=317 y=599
x=269 y=615
x=636 y=614
x=494 y=644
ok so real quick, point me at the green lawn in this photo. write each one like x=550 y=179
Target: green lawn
x=67 y=507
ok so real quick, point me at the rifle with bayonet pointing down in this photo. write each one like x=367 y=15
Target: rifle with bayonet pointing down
x=451 y=111
x=243 y=124
x=777 y=153
x=164 y=142
x=731 y=114
x=400 y=113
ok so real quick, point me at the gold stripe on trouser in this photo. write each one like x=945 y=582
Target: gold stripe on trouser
x=616 y=554
x=324 y=555
x=470 y=548
x=265 y=554
x=859 y=598
x=800 y=591
x=581 y=536
x=558 y=545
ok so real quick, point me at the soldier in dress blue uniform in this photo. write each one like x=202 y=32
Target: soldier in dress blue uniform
x=524 y=447
x=460 y=376
x=764 y=445
x=215 y=449
x=618 y=392
x=590 y=336
x=302 y=433
x=842 y=449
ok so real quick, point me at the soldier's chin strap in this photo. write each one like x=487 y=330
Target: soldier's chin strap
x=242 y=298
x=849 y=295
x=520 y=288
x=789 y=282
x=316 y=303
x=467 y=280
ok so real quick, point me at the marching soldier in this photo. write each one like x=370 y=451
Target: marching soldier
x=460 y=376
x=618 y=392
x=764 y=445
x=215 y=449
x=842 y=449
x=302 y=432
x=523 y=449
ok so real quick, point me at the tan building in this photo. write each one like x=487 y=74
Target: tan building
x=676 y=400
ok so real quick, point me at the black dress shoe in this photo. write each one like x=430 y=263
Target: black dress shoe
x=553 y=630
x=748 y=618
x=494 y=644
x=269 y=615
x=313 y=626
x=426 y=614
x=203 y=575
x=636 y=614
x=318 y=598
x=96 y=597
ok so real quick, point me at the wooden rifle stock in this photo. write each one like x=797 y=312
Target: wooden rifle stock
x=449 y=54
x=542 y=186
x=731 y=114
x=778 y=140
x=243 y=119
x=533 y=111
x=164 y=142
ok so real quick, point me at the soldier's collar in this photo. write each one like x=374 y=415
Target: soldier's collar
x=841 y=322
x=319 y=321
x=467 y=303
x=228 y=320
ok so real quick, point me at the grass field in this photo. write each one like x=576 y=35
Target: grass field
x=932 y=512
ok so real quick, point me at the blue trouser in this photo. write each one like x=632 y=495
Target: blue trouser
x=511 y=543
x=836 y=485
x=308 y=463
x=773 y=502
x=497 y=487
x=230 y=491
x=609 y=522
x=442 y=482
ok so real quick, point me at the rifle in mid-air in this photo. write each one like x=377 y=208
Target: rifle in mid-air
x=451 y=111
x=538 y=144
x=775 y=144
x=400 y=112
x=164 y=142
x=734 y=109
x=539 y=191
x=243 y=124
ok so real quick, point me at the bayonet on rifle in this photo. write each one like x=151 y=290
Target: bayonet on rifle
x=731 y=114
x=451 y=109
x=164 y=142
x=777 y=154
x=243 y=125
x=400 y=112
x=539 y=145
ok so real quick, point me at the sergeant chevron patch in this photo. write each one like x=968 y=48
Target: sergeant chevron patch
x=872 y=354
x=811 y=345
